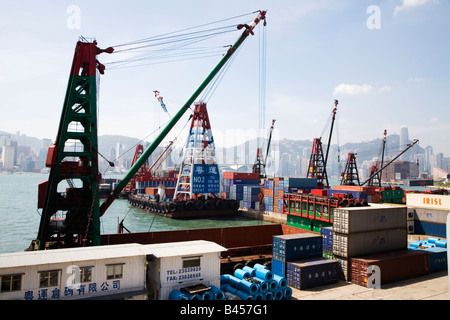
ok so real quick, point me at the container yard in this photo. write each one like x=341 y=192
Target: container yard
x=337 y=242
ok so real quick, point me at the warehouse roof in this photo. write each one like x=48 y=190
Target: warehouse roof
x=30 y=258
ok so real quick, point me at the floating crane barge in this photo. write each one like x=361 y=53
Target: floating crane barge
x=72 y=218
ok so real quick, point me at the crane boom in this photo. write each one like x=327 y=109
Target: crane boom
x=248 y=30
x=375 y=173
x=331 y=131
x=269 y=140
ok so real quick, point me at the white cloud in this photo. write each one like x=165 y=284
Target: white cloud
x=385 y=89
x=352 y=89
x=415 y=79
x=410 y=4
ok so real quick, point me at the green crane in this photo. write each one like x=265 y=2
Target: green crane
x=74 y=156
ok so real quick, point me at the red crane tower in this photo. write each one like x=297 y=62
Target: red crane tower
x=317 y=162
x=199 y=173
x=350 y=175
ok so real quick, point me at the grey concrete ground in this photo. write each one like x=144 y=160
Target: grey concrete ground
x=430 y=287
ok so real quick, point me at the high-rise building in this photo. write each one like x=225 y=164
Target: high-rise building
x=8 y=156
x=404 y=141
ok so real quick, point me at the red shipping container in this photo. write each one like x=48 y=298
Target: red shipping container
x=319 y=192
x=241 y=175
x=393 y=266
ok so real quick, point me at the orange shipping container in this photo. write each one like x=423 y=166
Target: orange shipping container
x=267 y=192
x=350 y=188
x=241 y=175
x=151 y=191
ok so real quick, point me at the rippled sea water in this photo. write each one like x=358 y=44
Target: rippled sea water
x=20 y=217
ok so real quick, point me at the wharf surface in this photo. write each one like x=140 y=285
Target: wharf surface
x=433 y=286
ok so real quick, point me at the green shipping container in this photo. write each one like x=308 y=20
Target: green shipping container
x=299 y=222
x=317 y=225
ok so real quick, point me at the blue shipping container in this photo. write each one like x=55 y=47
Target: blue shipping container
x=437 y=257
x=293 y=247
x=279 y=267
x=430 y=228
x=311 y=273
x=300 y=182
x=243 y=182
x=327 y=236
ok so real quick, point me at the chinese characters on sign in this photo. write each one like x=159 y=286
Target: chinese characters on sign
x=205 y=178
x=46 y=293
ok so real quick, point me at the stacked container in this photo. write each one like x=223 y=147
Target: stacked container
x=275 y=188
x=367 y=230
x=234 y=183
x=298 y=258
x=251 y=196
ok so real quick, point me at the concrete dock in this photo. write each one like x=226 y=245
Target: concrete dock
x=433 y=286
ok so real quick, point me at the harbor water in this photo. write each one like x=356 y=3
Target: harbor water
x=20 y=217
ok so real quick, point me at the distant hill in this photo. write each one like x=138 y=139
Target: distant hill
x=23 y=140
x=366 y=150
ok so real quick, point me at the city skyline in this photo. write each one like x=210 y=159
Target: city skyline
x=385 y=62
x=283 y=160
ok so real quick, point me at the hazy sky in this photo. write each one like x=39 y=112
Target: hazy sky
x=387 y=62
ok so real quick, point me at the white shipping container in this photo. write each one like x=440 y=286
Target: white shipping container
x=430 y=215
x=362 y=243
x=375 y=217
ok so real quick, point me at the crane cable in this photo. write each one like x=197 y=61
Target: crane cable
x=179 y=40
x=182 y=30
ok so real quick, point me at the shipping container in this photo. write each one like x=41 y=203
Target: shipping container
x=344 y=268
x=318 y=225
x=297 y=246
x=311 y=273
x=431 y=215
x=437 y=258
x=279 y=267
x=327 y=238
x=361 y=243
x=240 y=175
x=430 y=228
x=300 y=182
x=392 y=266
x=375 y=217
x=299 y=222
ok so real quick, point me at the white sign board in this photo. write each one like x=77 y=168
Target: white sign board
x=430 y=201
